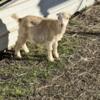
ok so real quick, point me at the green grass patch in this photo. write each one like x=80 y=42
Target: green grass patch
x=20 y=78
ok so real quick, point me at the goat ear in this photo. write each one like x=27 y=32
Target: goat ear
x=68 y=15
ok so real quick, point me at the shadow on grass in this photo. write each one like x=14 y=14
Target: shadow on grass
x=9 y=54
x=34 y=57
x=6 y=54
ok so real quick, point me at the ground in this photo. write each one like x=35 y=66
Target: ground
x=75 y=77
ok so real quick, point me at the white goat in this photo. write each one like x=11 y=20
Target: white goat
x=42 y=31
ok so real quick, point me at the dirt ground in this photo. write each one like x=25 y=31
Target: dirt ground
x=75 y=77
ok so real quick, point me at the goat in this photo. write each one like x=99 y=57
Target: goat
x=41 y=30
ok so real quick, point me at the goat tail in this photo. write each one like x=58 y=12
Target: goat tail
x=14 y=16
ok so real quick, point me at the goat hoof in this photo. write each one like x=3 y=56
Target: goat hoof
x=27 y=51
x=51 y=59
x=19 y=56
x=57 y=58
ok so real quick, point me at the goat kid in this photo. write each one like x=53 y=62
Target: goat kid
x=41 y=31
